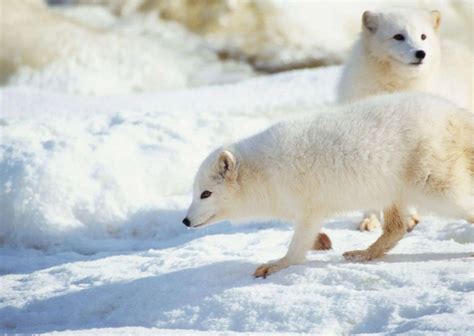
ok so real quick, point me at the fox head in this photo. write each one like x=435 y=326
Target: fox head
x=407 y=39
x=215 y=191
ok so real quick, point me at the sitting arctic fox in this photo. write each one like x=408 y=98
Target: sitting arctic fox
x=384 y=152
x=399 y=50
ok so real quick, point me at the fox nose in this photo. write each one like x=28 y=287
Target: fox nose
x=420 y=54
x=186 y=222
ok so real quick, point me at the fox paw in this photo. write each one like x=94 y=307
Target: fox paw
x=358 y=255
x=369 y=223
x=413 y=221
x=266 y=269
x=322 y=242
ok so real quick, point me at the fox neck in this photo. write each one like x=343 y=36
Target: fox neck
x=391 y=77
x=258 y=197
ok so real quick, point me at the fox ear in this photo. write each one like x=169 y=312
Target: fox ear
x=369 y=21
x=227 y=166
x=436 y=19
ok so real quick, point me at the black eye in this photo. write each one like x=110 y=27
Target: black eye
x=206 y=194
x=423 y=36
x=399 y=37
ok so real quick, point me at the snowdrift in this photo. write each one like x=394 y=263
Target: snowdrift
x=122 y=166
x=89 y=51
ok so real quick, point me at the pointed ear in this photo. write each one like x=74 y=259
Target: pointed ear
x=369 y=21
x=227 y=166
x=436 y=19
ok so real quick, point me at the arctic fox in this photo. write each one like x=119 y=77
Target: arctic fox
x=399 y=50
x=384 y=152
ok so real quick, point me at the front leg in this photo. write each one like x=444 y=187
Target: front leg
x=301 y=242
x=394 y=230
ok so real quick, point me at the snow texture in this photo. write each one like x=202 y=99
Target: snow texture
x=92 y=193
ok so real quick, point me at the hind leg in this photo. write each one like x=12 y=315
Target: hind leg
x=460 y=207
x=468 y=211
x=394 y=230
x=370 y=221
x=413 y=219
x=467 y=206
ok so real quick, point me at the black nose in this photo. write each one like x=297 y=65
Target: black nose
x=186 y=222
x=420 y=54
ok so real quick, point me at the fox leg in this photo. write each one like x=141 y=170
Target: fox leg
x=394 y=230
x=301 y=242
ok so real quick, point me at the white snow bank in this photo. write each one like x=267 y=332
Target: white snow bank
x=89 y=51
x=76 y=169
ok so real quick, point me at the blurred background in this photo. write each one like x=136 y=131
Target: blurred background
x=99 y=47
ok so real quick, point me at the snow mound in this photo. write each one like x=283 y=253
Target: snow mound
x=87 y=50
x=110 y=167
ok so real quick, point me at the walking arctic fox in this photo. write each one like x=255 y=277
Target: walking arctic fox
x=383 y=152
x=399 y=50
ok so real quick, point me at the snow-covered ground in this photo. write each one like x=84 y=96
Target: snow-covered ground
x=92 y=194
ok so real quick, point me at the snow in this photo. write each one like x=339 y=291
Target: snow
x=87 y=50
x=201 y=280
x=107 y=166
x=93 y=190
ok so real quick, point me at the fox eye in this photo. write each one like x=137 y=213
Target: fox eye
x=399 y=37
x=423 y=36
x=206 y=194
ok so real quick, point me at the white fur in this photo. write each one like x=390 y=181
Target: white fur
x=380 y=64
x=371 y=154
